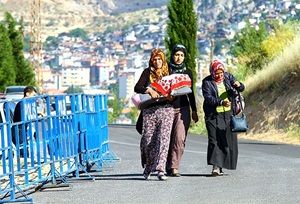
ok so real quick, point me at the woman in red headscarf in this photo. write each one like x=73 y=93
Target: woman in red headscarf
x=157 y=118
x=218 y=92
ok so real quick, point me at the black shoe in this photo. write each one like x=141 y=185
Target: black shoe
x=221 y=172
x=169 y=172
x=217 y=171
x=146 y=175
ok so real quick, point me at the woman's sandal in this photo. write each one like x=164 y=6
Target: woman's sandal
x=161 y=176
x=175 y=173
x=217 y=172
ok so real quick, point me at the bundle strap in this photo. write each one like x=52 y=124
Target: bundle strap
x=240 y=100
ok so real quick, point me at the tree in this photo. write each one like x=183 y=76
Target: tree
x=182 y=29
x=282 y=35
x=115 y=104
x=7 y=73
x=24 y=73
x=79 y=32
x=248 y=47
x=74 y=89
x=51 y=43
x=27 y=43
x=133 y=114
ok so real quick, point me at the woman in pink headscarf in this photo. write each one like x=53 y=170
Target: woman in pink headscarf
x=218 y=92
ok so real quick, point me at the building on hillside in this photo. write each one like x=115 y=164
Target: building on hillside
x=76 y=76
x=120 y=67
x=127 y=81
x=126 y=85
x=51 y=79
x=100 y=72
x=283 y=4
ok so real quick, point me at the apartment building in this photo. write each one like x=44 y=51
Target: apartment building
x=76 y=76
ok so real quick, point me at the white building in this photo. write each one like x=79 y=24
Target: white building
x=76 y=76
x=100 y=72
x=126 y=85
x=127 y=81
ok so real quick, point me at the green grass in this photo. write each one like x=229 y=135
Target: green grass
x=199 y=127
x=293 y=131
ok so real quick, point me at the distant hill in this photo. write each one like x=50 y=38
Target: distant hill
x=61 y=16
x=95 y=15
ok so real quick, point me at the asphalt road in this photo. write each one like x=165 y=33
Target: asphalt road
x=266 y=173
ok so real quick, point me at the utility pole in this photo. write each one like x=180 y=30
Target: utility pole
x=211 y=57
x=35 y=39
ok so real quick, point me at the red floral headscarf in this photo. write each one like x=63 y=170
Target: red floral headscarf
x=156 y=74
x=214 y=66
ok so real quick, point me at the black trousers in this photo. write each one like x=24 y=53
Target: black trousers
x=18 y=134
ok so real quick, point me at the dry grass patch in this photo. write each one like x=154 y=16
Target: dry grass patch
x=273 y=98
x=279 y=71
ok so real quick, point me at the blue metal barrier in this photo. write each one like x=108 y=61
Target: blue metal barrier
x=108 y=156
x=95 y=150
x=40 y=152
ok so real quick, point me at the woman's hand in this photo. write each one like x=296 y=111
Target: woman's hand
x=226 y=103
x=170 y=97
x=195 y=116
x=153 y=93
x=236 y=84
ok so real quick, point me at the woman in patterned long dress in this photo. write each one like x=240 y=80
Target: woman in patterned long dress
x=157 y=118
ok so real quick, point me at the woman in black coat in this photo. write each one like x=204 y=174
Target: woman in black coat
x=182 y=112
x=219 y=93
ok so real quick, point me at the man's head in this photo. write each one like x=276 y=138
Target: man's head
x=29 y=91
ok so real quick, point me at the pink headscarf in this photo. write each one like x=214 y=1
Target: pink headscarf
x=214 y=66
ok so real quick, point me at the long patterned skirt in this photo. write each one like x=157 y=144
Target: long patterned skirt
x=157 y=126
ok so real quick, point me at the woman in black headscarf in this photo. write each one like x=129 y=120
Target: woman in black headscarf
x=182 y=112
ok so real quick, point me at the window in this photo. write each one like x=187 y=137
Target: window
x=15 y=89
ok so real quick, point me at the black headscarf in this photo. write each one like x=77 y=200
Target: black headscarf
x=177 y=68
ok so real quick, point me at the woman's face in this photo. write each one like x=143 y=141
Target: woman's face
x=178 y=57
x=219 y=74
x=157 y=62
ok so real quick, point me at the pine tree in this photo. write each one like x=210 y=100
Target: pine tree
x=182 y=29
x=24 y=73
x=7 y=73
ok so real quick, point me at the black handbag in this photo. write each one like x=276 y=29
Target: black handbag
x=238 y=123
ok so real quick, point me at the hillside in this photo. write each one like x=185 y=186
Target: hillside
x=273 y=115
x=273 y=98
x=91 y=15
x=96 y=15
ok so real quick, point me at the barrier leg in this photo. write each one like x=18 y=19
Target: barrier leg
x=17 y=200
x=64 y=182
x=81 y=167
